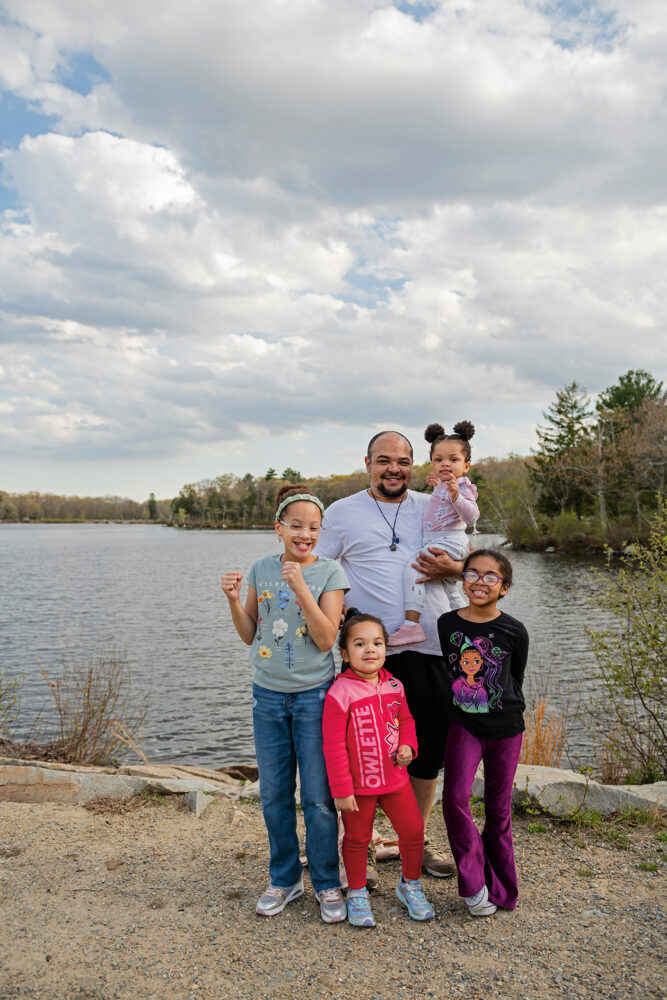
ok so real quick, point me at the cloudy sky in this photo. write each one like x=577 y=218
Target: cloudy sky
x=241 y=235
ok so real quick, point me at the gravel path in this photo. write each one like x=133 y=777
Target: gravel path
x=154 y=903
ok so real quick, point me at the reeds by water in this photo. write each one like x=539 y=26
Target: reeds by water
x=544 y=736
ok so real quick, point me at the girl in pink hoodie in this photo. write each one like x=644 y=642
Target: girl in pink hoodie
x=369 y=739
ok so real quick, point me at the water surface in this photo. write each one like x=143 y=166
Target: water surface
x=72 y=592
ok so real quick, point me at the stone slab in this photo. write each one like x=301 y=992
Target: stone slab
x=563 y=793
x=21 y=782
x=186 y=771
x=552 y=790
x=656 y=793
x=251 y=790
x=559 y=792
x=54 y=765
x=41 y=784
x=198 y=802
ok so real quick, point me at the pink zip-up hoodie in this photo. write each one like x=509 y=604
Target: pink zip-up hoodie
x=363 y=726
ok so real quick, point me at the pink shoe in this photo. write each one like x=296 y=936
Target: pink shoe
x=406 y=634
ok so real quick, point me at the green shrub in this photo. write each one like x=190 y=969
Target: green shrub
x=630 y=715
x=574 y=534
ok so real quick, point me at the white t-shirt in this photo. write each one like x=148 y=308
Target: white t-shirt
x=354 y=532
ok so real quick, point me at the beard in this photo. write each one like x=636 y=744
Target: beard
x=394 y=493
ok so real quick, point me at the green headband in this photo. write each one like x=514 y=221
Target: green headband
x=299 y=496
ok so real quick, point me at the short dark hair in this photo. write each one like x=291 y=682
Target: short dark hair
x=379 y=435
x=356 y=618
x=498 y=557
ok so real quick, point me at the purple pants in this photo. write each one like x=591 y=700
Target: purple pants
x=486 y=858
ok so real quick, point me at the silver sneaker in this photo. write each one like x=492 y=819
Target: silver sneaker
x=333 y=907
x=480 y=905
x=276 y=898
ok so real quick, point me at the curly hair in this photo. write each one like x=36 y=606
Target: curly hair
x=290 y=490
x=461 y=432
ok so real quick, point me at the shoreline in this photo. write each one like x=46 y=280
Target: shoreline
x=555 y=792
x=547 y=549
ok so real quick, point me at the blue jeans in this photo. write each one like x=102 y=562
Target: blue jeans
x=288 y=730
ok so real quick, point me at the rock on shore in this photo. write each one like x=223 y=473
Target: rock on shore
x=550 y=790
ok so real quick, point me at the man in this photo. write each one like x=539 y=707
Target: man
x=374 y=533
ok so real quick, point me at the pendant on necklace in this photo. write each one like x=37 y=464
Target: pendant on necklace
x=394 y=542
x=392 y=547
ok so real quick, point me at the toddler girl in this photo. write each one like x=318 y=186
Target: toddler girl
x=290 y=619
x=369 y=739
x=485 y=651
x=453 y=505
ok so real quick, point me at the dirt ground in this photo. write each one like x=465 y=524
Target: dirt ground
x=155 y=903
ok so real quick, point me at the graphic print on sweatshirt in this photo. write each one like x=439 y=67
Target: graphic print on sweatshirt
x=391 y=737
x=476 y=666
x=366 y=724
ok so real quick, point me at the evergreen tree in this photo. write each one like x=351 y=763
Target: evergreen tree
x=562 y=466
x=291 y=475
x=633 y=389
x=631 y=427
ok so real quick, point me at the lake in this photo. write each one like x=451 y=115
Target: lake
x=69 y=593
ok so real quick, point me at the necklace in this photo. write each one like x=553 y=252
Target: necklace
x=394 y=537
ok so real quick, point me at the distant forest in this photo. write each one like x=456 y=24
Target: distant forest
x=594 y=479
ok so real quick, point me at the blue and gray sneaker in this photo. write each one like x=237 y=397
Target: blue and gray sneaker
x=359 y=911
x=412 y=895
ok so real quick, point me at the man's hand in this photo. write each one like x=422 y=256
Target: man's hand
x=437 y=566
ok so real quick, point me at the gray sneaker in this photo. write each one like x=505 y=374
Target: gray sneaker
x=276 y=898
x=333 y=907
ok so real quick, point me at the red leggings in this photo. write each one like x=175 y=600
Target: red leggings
x=403 y=812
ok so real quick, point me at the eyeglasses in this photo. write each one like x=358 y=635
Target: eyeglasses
x=490 y=579
x=312 y=531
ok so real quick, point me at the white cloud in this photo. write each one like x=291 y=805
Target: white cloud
x=293 y=216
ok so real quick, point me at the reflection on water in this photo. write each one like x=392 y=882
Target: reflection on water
x=71 y=592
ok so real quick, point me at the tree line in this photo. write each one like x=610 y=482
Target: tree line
x=594 y=479
x=35 y=506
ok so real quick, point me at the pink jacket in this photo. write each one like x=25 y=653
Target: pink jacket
x=443 y=514
x=363 y=727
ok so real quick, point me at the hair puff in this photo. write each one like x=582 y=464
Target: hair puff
x=464 y=429
x=433 y=432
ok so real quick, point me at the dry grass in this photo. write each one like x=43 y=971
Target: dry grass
x=544 y=737
x=610 y=768
x=97 y=714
